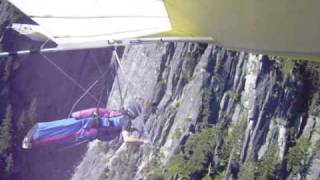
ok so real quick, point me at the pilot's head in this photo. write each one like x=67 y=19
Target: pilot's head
x=133 y=109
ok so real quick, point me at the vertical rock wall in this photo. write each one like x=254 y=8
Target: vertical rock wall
x=175 y=80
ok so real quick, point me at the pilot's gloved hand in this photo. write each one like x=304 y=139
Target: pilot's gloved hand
x=92 y=123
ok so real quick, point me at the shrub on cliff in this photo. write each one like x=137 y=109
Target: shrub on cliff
x=196 y=153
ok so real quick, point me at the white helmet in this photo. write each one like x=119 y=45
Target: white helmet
x=134 y=109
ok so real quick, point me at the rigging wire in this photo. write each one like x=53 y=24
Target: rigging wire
x=124 y=74
x=43 y=44
x=120 y=91
x=82 y=96
x=73 y=145
x=62 y=71
x=112 y=87
x=103 y=75
x=103 y=89
x=104 y=83
x=68 y=76
x=98 y=67
x=106 y=73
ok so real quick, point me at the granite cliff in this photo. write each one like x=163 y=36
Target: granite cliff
x=260 y=113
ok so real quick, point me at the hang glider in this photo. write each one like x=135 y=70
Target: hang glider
x=77 y=24
x=280 y=28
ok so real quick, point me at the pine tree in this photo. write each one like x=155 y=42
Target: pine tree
x=9 y=163
x=248 y=169
x=298 y=158
x=7 y=70
x=21 y=124
x=32 y=112
x=5 y=130
x=269 y=164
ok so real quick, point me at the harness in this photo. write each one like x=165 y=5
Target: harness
x=110 y=122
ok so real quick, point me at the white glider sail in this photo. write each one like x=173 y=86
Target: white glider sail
x=34 y=32
x=90 y=21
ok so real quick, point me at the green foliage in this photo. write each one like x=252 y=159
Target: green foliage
x=176 y=166
x=198 y=146
x=205 y=110
x=218 y=62
x=317 y=149
x=248 y=170
x=178 y=132
x=174 y=108
x=185 y=54
x=177 y=105
x=126 y=161
x=233 y=95
x=22 y=128
x=297 y=157
x=32 y=111
x=103 y=146
x=226 y=148
x=314 y=110
x=266 y=168
x=269 y=164
x=156 y=173
x=188 y=119
x=7 y=70
x=197 y=150
x=287 y=66
x=221 y=175
x=207 y=177
x=9 y=163
x=5 y=131
x=233 y=141
x=6 y=143
x=156 y=170
x=21 y=124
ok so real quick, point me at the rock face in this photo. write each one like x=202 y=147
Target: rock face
x=6 y=12
x=273 y=103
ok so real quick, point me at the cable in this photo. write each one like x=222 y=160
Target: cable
x=120 y=91
x=43 y=44
x=61 y=70
x=122 y=71
x=68 y=76
x=82 y=96
x=107 y=72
